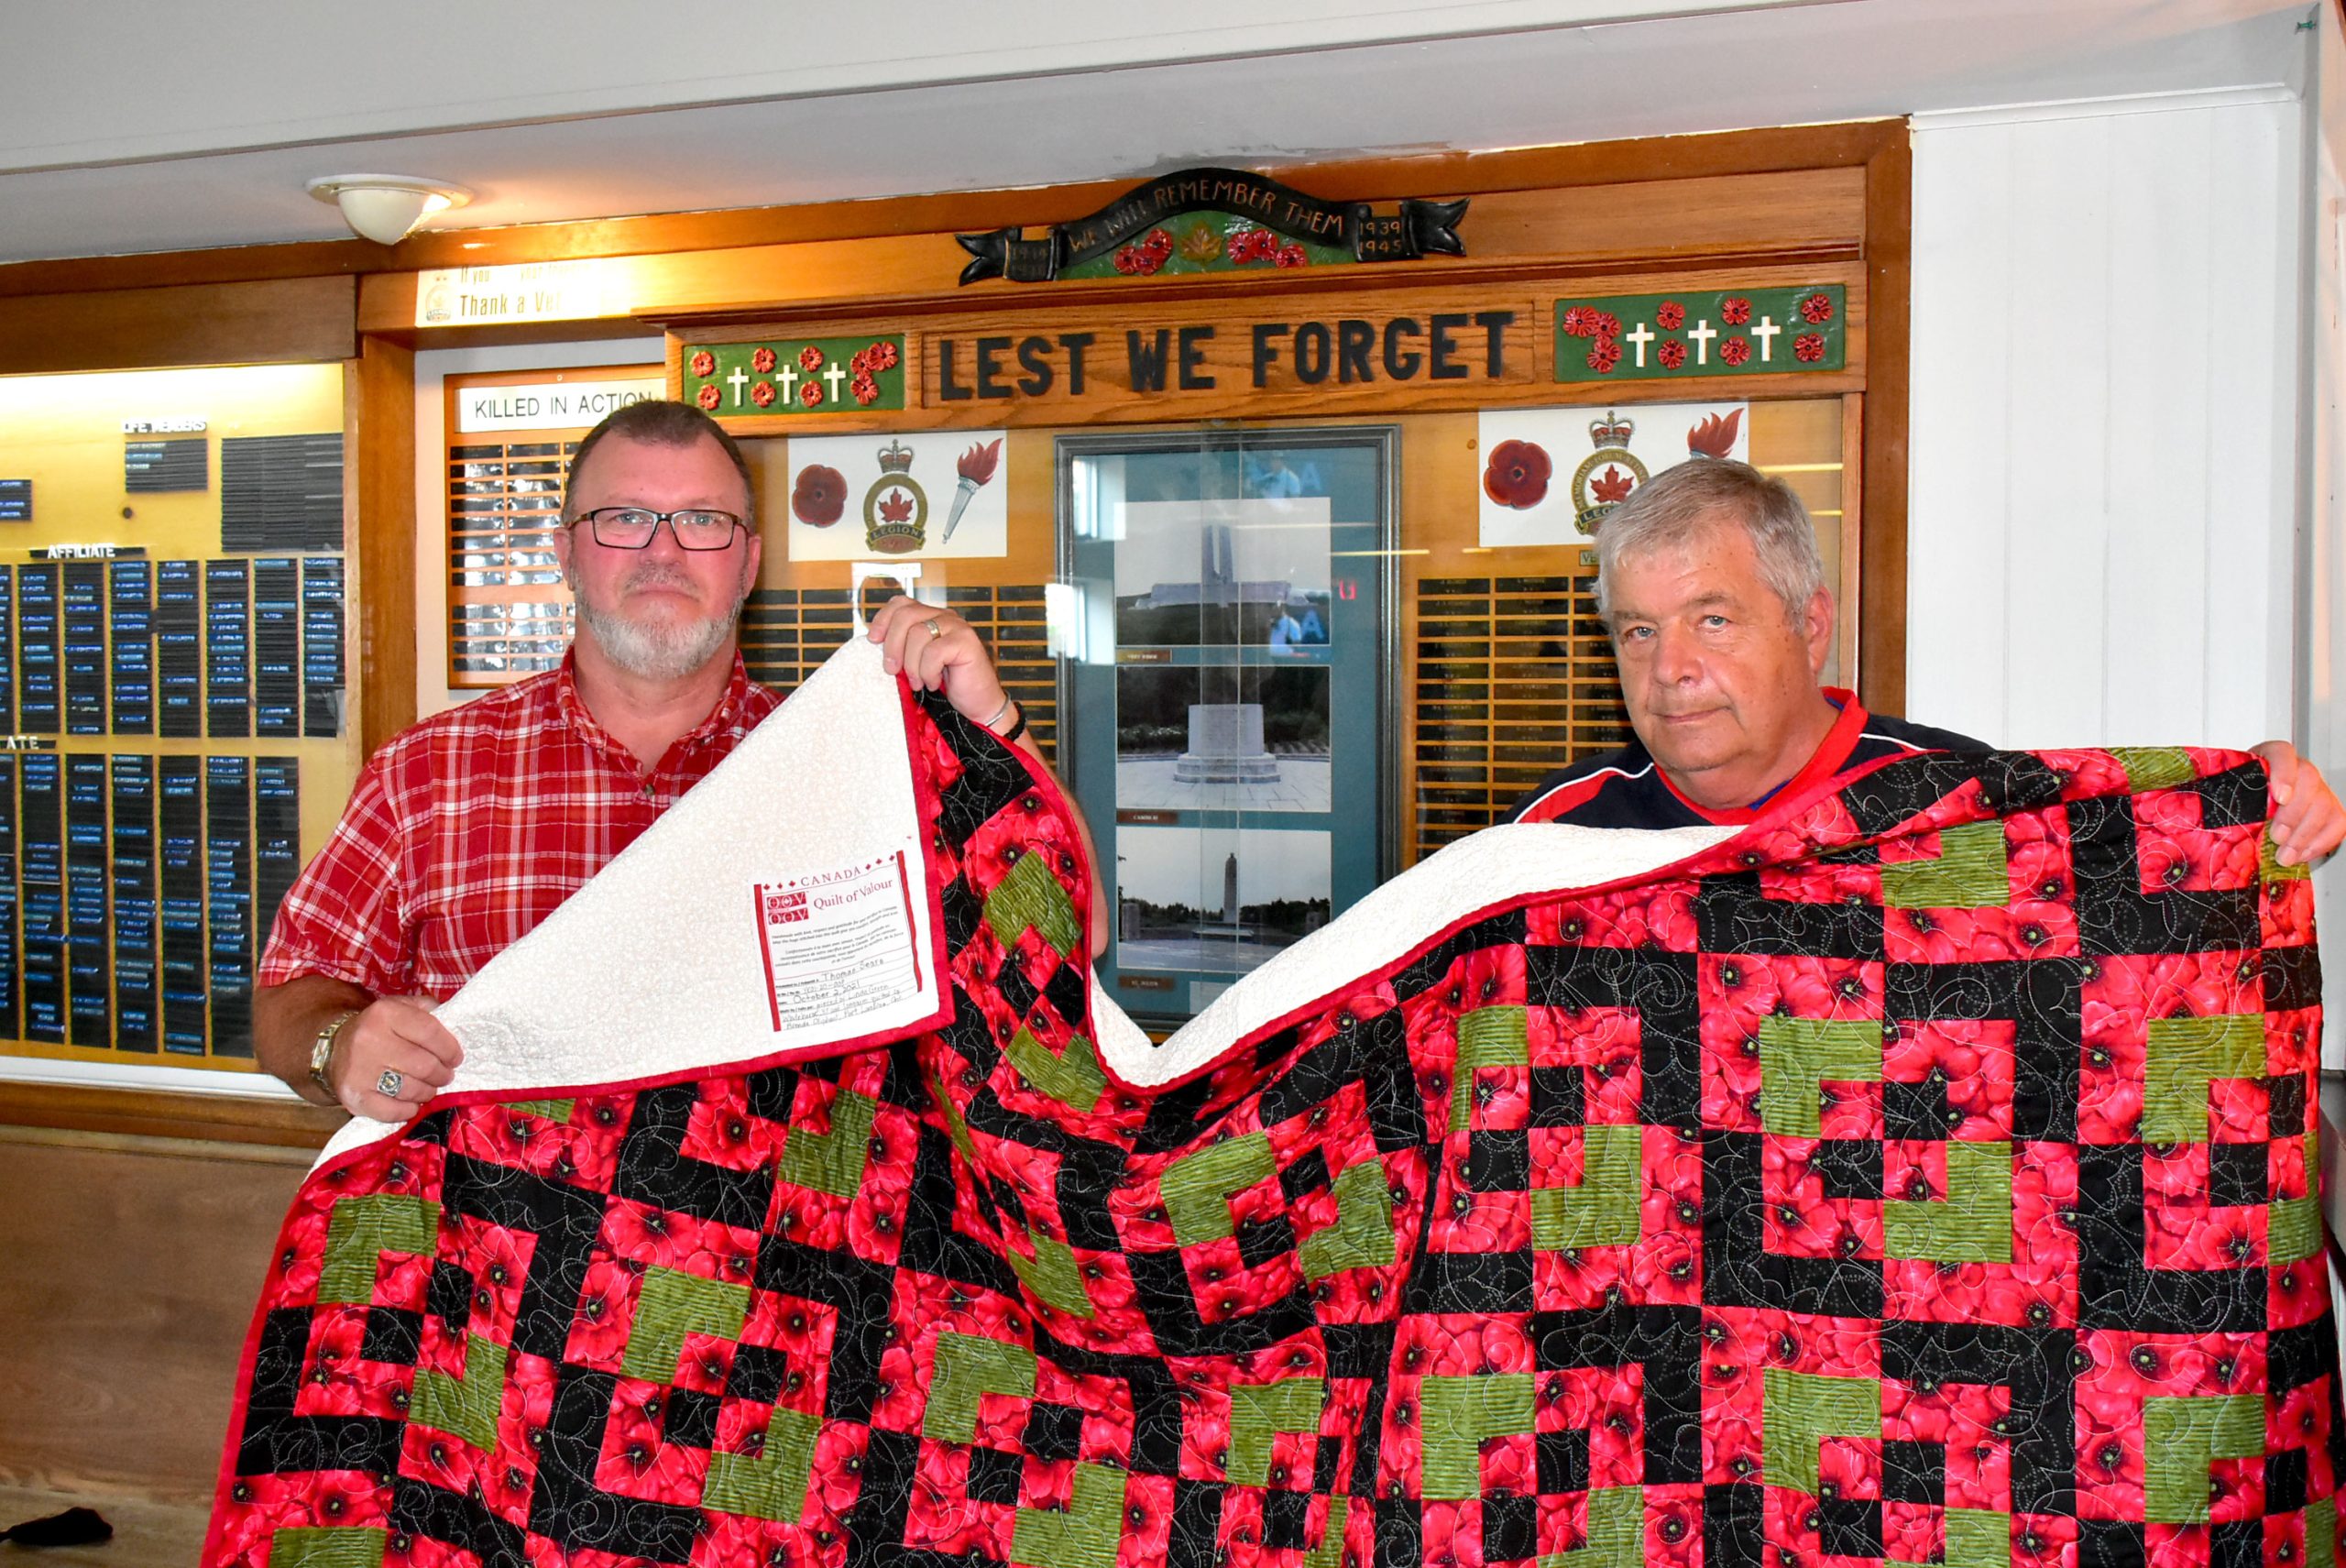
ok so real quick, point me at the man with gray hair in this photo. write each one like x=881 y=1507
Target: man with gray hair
x=1709 y=582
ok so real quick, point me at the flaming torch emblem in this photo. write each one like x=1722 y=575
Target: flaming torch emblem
x=976 y=466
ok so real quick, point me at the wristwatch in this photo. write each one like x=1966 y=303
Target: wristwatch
x=321 y=1050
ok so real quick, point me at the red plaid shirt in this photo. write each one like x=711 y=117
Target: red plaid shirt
x=467 y=830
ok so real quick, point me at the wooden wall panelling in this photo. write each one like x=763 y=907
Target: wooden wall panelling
x=281 y=1122
x=380 y=391
x=127 y=1303
x=294 y=321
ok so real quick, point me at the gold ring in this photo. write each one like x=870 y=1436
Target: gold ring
x=934 y=628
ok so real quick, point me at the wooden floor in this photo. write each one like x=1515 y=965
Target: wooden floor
x=146 y=1535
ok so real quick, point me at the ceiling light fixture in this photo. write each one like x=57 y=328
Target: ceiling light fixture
x=384 y=207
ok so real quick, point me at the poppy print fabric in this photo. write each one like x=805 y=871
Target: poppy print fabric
x=1923 y=1176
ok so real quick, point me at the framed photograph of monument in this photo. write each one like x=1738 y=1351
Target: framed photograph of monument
x=1227 y=726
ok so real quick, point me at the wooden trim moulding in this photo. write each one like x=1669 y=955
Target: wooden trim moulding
x=379 y=482
x=1882 y=612
x=162 y=1113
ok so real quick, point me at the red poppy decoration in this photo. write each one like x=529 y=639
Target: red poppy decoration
x=1580 y=321
x=810 y=359
x=819 y=497
x=703 y=362
x=1736 y=311
x=709 y=399
x=1809 y=347
x=1292 y=255
x=761 y=360
x=811 y=394
x=1669 y=316
x=1816 y=310
x=1736 y=351
x=762 y=394
x=1604 y=354
x=866 y=390
x=1672 y=354
x=1518 y=474
x=1608 y=325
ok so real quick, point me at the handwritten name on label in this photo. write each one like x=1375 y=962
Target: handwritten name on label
x=839 y=945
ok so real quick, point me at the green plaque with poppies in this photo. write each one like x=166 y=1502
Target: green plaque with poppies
x=1749 y=331
x=796 y=375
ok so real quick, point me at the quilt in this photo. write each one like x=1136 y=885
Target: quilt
x=1925 y=1175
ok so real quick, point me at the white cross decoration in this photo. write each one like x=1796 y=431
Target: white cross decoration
x=835 y=374
x=1766 y=333
x=1639 y=338
x=1701 y=333
x=789 y=382
x=739 y=380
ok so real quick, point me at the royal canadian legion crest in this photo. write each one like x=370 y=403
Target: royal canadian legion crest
x=1607 y=475
x=895 y=508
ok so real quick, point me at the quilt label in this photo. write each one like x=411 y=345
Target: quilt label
x=839 y=945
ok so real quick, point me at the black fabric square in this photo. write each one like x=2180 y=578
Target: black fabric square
x=2236 y=1543
x=1563 y=1462
x=1849 y=1528
x=393 y=1334
x=2284 y=1103
x=2284 y=1481
x=1510 y=1522
x=1916 y=1110
x=1054 y=1431
x=1066 y=990
x=1284 y=1514
x=2109 y=1543
x=692 y=1418
x=759 y=1372
x=449 y=1296
x=1850 y=1168
x=1259 y=1241
x=1499 y=1161
x=1913 y=1471
x=994 y=1476
x=2236 y=1174
x=1308 y=1174
x=1326 y=1459
x=1017 y=992
x=1557 y=1097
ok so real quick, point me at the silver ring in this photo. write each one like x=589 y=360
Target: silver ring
x=387 y=1085
x=934 y=628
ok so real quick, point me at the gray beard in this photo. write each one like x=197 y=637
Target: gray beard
x=656 y=652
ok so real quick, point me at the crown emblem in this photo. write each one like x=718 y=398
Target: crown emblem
x=895 y=458
x=1611 y=431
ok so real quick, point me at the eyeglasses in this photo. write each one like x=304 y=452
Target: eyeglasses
x=632 y=528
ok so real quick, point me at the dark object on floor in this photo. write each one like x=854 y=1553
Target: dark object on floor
x=74 y=1527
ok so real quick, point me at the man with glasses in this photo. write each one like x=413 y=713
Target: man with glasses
x=466 y=830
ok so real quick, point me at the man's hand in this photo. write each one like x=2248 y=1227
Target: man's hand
x=2308 y=823
x=938 y=650
x=390 y=1061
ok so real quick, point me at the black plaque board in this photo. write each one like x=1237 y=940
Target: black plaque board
x=320 y=646
x=89 y=943
x=150 y=468
x=15 y=500
x=228 y=883
x=131 y=677
x=36 y=649
x=41 y=824
x=86 y=647
x=180 y=828
x=227 y=651
x=9 y=1023
x=137 y=1024
x=281 y=492
x=277 y=837
x=277 y=648
x=179 y=649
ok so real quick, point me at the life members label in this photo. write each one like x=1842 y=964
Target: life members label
x=839 y=945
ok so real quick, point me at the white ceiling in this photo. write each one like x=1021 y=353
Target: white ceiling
x=138 y=125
